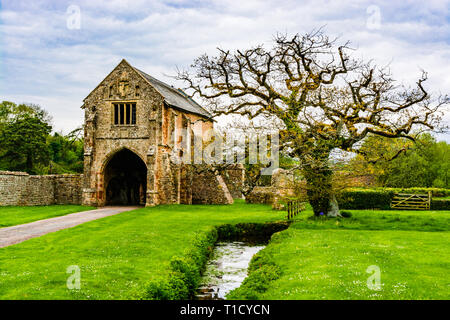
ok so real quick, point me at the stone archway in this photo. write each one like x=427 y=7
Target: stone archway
x=125 y=179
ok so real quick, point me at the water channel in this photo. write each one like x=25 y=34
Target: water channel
x=226 y=269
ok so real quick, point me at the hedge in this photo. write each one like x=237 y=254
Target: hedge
x=365 y=199
x=184 y=272
x=435 y=192
x=440 y=204
x=380 y=198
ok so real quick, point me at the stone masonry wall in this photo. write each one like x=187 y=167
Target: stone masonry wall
x=22 y=189
x=208 y=188
x=12 y=187
x=68 y=188
x=234 y=178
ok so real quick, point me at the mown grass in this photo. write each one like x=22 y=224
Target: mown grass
x=117 y=255
x=313 y=259
x=15 y=215
x=328 y=258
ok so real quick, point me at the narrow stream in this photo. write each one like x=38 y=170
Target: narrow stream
x=227 y=269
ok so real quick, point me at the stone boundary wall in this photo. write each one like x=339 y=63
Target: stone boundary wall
x=234 y=177
x=282 y=188
x=22 y=189
x=208 y=188
x=261 y=195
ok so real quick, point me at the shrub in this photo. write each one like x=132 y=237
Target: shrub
x=346 y=214
x=256 y=283
x=440 y=204
x=435 y=192
x=172 y=288
x=365 y=199
x=185 y=272
x=380 y=198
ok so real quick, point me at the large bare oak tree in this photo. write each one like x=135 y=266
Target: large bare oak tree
x=318 y=96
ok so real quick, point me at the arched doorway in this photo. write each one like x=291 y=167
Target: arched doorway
x=125 y=178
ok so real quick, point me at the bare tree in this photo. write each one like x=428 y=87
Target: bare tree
x=318 y=96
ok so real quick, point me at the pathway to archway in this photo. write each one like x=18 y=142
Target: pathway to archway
x=20 y=233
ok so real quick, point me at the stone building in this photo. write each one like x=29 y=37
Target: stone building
x=132 y=125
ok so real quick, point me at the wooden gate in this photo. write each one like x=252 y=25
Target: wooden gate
x=411 y=201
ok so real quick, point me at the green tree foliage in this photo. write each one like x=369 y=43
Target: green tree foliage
x=66 y=153
x=27 y=145
x=425 y=163
x=23 y=144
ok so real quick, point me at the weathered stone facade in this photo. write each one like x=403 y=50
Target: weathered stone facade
x=262 y=195
x=234 y=178
x=136 y=130
x=209 y=188
x=282 y=188
x=161 y=112
x=19 y=188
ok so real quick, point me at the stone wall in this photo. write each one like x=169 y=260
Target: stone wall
x=22 y=189
x=234 y=178
x=208 y=188
x=68 y=188
x=12 y=187
x=282 y=188
x=263 y=195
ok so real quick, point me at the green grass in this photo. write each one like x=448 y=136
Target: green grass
x=11 y=216
x=117 y=254
x=313 y=259
x=328 y=258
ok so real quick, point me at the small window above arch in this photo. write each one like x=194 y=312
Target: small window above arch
x=124 y=114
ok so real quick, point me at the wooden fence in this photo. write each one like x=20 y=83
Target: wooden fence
x=411 y=201
x=294 y=207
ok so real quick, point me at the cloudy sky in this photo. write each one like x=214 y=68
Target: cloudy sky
x=54 y=53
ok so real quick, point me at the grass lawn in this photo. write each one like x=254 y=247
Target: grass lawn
x=328 y=259
x=11 y=216
x=316 y=258
x=116 y=254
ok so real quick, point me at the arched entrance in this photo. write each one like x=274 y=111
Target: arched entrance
x=125 y=178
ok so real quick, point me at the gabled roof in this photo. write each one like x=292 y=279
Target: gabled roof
x=176 y=98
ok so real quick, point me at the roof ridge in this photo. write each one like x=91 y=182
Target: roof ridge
x=179 y=92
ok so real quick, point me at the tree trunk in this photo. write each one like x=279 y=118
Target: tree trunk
x=334 y=208
x=319 y=188
x=29 y=164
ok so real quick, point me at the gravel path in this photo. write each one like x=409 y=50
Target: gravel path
x=20 y=233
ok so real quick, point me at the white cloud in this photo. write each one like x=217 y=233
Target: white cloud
x=44 y=62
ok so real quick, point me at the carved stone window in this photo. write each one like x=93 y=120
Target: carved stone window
x=124 y=114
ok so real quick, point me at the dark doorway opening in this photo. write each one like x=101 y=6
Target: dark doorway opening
x=125 y=179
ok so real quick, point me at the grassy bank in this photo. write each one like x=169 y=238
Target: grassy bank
x=11 y=216
x=328 y=259
x=158 y=252
x=117 y=255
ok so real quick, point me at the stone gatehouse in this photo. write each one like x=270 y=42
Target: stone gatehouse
x=132 y=129
x=132 y=125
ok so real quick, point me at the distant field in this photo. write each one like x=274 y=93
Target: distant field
x=11 y=216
